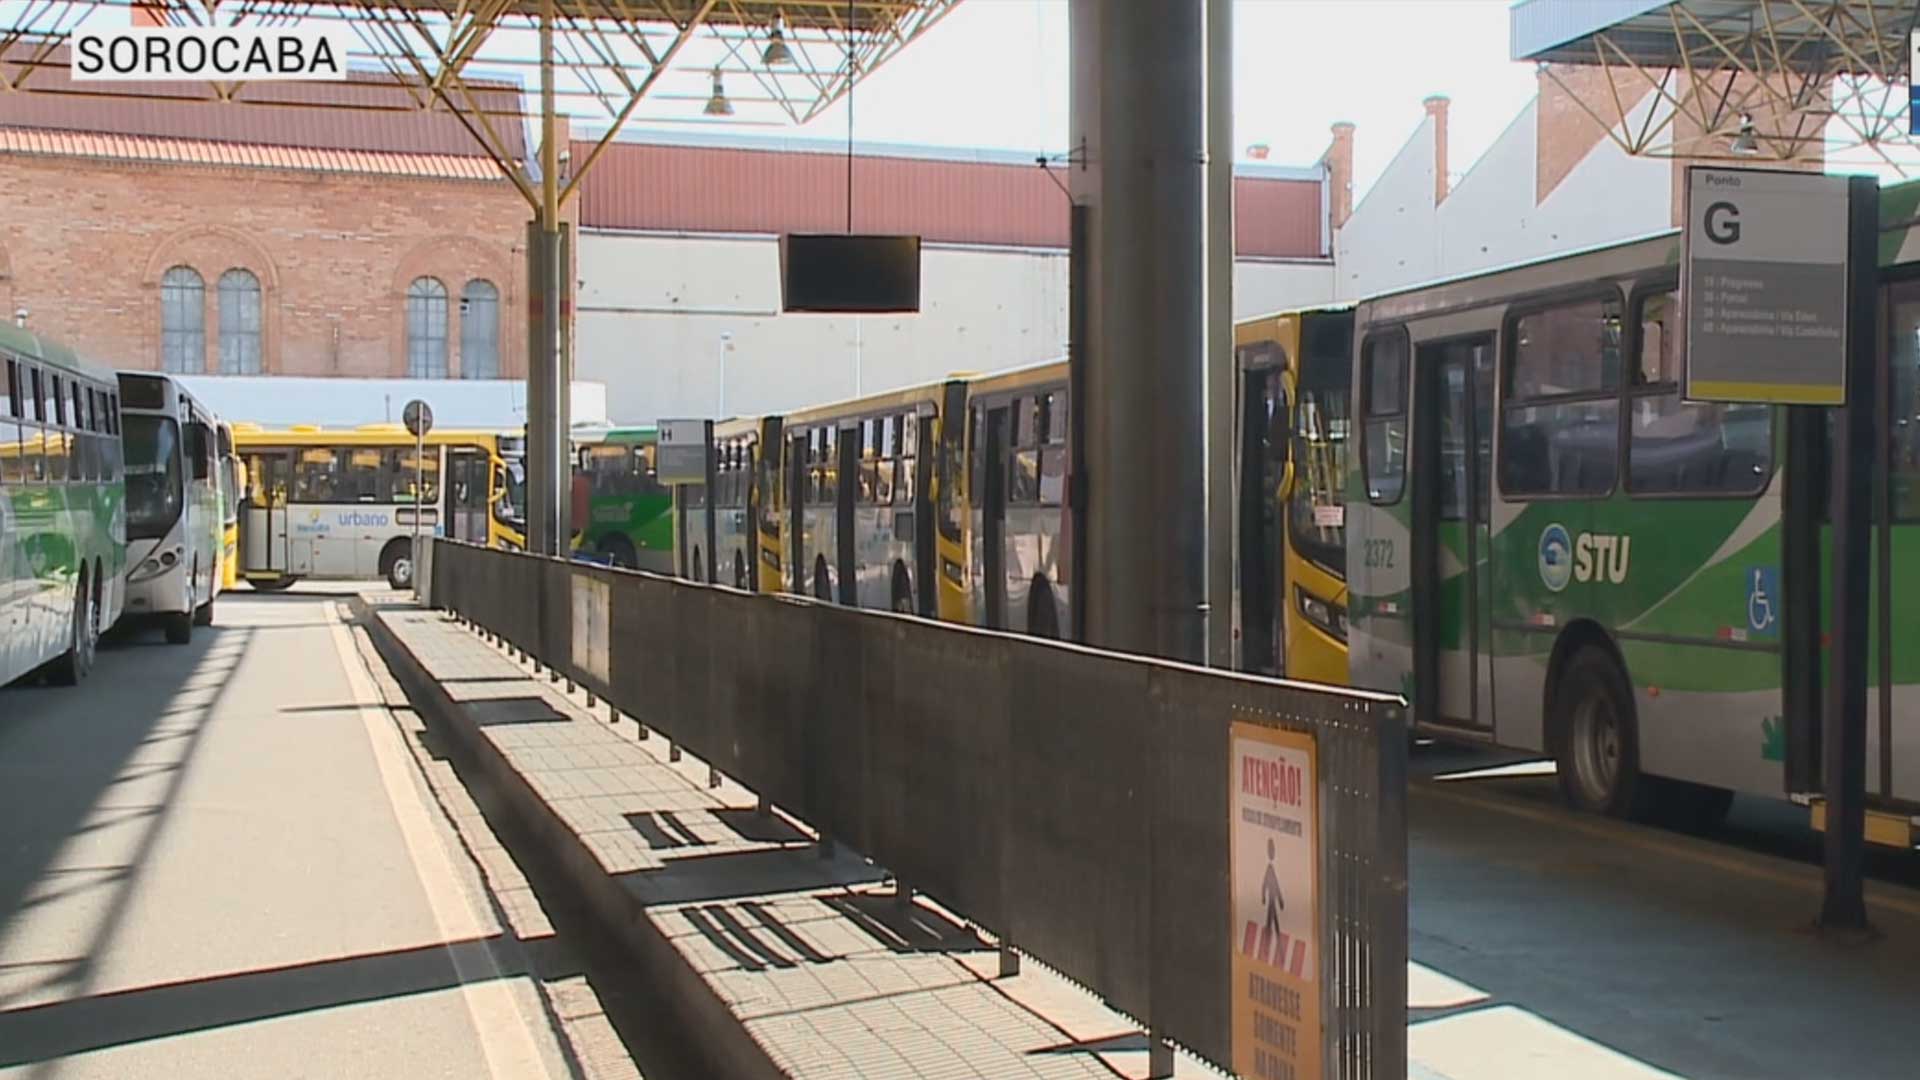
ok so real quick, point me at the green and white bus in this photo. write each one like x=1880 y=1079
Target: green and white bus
x=1549 y=550
x=63 y=544
x=620 y=508
x=175 y=524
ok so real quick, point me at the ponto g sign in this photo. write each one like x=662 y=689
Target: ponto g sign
x=201 y=53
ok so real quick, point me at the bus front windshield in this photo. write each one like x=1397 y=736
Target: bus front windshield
x=155 y=484
x=1317 y=512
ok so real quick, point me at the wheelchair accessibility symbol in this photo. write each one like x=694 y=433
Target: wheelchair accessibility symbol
x=1763 y=592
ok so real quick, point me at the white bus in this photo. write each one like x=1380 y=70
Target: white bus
x=174 y=529
x=62 y=527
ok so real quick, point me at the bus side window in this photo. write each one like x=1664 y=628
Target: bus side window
x=11 y=472
x=976 y=453
x=1053 y=447
x=1023 y=483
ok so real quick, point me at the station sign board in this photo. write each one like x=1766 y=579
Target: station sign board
x=680 y=456
x=1763 y=287
x=1275 y=935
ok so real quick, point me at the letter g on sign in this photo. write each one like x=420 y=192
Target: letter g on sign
x=1723 y=223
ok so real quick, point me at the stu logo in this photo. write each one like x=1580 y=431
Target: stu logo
x=1590 y=557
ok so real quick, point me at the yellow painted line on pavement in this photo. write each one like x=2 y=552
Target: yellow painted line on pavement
x=503 y=1028
x=1805 y=878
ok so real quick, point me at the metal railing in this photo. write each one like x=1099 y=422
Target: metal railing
x=1072 y=801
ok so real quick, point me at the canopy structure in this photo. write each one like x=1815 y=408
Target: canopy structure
x=1776 y=80
x=773 y=62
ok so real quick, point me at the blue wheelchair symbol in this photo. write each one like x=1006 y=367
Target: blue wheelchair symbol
x=1763 y=585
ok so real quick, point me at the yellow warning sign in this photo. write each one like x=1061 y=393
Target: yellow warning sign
x=1274 y=847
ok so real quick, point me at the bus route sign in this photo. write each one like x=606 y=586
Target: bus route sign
x=1764 y=287
x=418 y=416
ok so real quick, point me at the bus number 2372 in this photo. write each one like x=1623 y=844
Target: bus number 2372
x=1379 y=554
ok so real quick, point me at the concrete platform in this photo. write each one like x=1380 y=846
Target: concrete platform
x=778 y=962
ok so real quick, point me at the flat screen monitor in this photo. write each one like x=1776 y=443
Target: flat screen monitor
x=831 y=272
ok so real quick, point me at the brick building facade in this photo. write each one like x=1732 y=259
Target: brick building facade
x=300 y=240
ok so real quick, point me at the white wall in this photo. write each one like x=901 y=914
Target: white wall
x=1392 y=239
x=651 y=310
x=1397 y=237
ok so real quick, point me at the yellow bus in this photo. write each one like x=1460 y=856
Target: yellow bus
x=839 y=501
x=232 y=483
x=1290 y=577
x=342 y=503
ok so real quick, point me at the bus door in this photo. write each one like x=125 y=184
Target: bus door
x=263 y=521
x=468 y=476
x=1453 y=550
x=799 y=467
x=1262 y=585
x=848 y=444
x=994 y=516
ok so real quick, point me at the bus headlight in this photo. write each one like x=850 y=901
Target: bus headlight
x=1329 y=617
x=155 y=565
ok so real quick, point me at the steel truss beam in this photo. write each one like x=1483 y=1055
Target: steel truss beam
x=1809 y=80
x=609 y=56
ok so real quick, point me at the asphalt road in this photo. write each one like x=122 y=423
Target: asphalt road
x=218 y=860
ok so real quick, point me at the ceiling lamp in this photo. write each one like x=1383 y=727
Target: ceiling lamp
x=718 y=105
x=1746 y=144
x=776 y=53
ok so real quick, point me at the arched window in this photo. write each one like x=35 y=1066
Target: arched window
x=239 y=323
x=183 y=321
x=426 y=329
x=480 y=330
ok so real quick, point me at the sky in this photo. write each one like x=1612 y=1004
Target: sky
x=993 y=74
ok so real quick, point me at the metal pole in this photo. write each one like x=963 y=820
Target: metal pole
x=1219 y=361
x=546 y=434
x=726 y=341
x=1144 y=182
x=1844 y=750
x=419 y=489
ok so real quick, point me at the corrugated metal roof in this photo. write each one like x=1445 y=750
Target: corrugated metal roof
x=688 y=188
x=114 y=147
x=368 y=112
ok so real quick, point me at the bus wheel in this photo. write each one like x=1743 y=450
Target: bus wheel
x=902 y=590
x=276 y=585
x=74 y=664
x=822 y=587
x=619 y=549
x=203 y=615
x=1043 y=616
x=396 y=563
x=1598 y=749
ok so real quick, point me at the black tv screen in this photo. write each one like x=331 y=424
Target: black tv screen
x=832 y=272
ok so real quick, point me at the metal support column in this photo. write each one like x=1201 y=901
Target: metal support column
x=1143 y=179
x=548 y=380
x=1844 y=750
x=1219 y=362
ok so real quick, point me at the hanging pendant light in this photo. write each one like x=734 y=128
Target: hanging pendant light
x=718 y=105
x=1746 y=144
x=776 y=54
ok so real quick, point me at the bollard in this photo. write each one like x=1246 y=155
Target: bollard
x=713 y=777
x=570 y=687
x=763 y=808
x=644 y=733
x=1159 y=1055
x=589 y=699
x=1009 y=960
x=902 y=892
x=673 y=751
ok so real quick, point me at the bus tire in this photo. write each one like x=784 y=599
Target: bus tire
x=396 y=562
x=902 y=590
x=72 y=666
x=278 y=584
x=822 y=583
x=178 y=626
x=1596 y=740
x=1043 y=615
x=620 y=551
x=203 y=615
